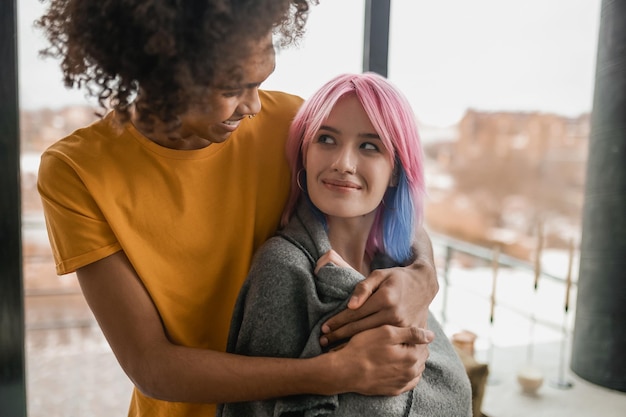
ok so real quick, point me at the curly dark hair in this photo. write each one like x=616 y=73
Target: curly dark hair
x=162 y=49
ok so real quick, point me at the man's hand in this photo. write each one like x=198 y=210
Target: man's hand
x=395 y=296
x=386 y=360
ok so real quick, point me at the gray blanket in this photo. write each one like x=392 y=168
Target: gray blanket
x=280 y=310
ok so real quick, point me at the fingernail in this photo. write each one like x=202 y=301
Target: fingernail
x=430 y=336
x=325 y=328
x=323 y=341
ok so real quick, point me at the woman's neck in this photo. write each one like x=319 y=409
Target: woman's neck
x=348 y=237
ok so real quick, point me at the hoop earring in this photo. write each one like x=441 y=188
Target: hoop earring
x=298 y=179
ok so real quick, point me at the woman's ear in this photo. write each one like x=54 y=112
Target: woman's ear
x=303 y=157
x=393 y=181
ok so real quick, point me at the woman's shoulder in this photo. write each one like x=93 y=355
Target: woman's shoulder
x=279 y=267
x=291 y=250
x=283 y=251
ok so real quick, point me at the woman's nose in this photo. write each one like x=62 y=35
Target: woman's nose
x=345 y=162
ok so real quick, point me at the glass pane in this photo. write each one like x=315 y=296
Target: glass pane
x=70 y=367
x=493 y=79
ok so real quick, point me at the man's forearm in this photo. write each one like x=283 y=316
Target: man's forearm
x=425 y=262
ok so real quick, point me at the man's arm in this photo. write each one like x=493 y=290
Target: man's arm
x=160 y=369
x=395 y=296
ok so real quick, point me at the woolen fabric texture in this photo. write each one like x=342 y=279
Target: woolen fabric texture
x=279 y=313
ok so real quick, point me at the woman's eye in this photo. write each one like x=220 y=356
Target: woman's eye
x=369 y=146
x=325 y=139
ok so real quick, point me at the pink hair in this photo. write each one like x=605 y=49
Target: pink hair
x=391 y=115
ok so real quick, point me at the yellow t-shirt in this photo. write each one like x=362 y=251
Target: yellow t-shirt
x=188 y=220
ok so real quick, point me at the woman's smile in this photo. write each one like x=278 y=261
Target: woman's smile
x=341 y=185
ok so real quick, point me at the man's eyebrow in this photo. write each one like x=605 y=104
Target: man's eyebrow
x=237 y=86
x=224 y=86
x=363 y=135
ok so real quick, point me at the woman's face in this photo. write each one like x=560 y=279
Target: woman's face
x=348 y=168
x=225 y=105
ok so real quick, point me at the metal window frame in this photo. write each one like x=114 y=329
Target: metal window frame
x=376 y=36
x=12 y=354
x=12 y=332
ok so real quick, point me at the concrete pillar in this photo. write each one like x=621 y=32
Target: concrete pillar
x=376 y=39
x=599 y=340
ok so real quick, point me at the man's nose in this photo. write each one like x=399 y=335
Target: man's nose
x=250 y=103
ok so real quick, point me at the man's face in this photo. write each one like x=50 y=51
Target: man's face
x=227 y=103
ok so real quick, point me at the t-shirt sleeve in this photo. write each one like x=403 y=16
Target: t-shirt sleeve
x=78 y=231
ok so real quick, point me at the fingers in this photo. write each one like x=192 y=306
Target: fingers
x=357 y=309
x=411 y=350
x=386 y=297
x=399 y=335
x=419 y=336
x=366 y=288
x=380 y=308
x=408 y=335
x=331 y=257
x=386 y=359
x=348 y=330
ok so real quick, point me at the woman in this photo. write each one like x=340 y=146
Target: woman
x=354 y=206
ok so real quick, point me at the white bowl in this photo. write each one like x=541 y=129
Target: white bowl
x=530 y=379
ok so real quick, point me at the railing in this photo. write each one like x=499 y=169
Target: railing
x=525 y=296
x=445 y=247
x=490 y=255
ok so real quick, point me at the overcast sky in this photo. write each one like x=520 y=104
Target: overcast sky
x=446 y=55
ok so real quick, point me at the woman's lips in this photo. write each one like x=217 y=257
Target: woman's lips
x=341 y=184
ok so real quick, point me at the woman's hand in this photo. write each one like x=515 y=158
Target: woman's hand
x=331 y=257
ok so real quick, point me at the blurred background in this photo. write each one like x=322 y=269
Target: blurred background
x=502 y=91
